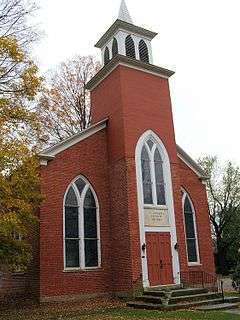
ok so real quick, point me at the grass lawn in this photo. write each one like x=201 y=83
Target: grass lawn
x=101 y=309
x=151 y=315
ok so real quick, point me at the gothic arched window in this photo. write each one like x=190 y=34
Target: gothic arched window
x=190 y=229
x=106 y=56
x=153 y=184
x=81 y=226
x=143 y=51
x=114 y=47
x=130 y=47
x=146 y=176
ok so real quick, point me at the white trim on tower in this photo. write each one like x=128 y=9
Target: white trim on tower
x=169 y=204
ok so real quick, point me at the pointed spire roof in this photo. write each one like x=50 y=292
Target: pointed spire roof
x=124 y=22
x=124 y=14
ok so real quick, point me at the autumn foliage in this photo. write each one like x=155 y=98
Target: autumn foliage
x=64 y=105
x=19 y=131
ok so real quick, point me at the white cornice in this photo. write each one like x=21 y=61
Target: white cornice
x=130 y=28
x=191 y=164
x=51 y=152
x=130 y=63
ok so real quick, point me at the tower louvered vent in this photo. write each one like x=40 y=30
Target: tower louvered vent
x=106 y=56
x=114 y=47
x=130 y=47
x=143 y=51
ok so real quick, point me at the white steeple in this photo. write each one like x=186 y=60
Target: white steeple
x=124 y=38
x=124 y=14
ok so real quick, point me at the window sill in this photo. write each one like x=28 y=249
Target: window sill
x=72 y=270
x=194 y=264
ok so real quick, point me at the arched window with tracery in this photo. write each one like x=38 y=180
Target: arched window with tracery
x=143 y=51
x=106 y=56
x=114 y=47
x=81 y=226
x=130 y=47
x=153 y=183
x=190 y=229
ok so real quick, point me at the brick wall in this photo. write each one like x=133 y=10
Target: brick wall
x=13 y=286
x=134 y=102
x=88 y=158
x=197 y=192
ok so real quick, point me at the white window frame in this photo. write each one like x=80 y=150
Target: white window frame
x=150 y=134
x=80 y=201
x=184 y=196
x=151 y=154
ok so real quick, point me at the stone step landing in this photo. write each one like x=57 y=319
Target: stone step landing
x=179 y=298
x=221 y=306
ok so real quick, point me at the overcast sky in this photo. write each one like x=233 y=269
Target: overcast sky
x=199 y=40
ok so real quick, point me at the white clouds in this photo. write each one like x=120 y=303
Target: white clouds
x=198 y=39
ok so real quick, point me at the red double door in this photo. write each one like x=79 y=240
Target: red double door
x=159 y=258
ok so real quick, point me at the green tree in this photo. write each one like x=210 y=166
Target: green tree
x=19 y=130
x=223 y=189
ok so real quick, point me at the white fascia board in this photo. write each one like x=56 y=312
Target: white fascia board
x=51 y=152
x=131 y=63
x=199 y=172
x=188 y=164
x=161 y=75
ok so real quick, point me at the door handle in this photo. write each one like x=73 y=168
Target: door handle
x=161 y=264
x=143 y=246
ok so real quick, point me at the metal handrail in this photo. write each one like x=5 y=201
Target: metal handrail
x=201 y=278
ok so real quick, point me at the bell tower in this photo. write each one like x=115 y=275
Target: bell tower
x=133 y=94
x=127 y=39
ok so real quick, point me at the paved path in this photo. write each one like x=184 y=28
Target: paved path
x=233 y=311
x=227 y=284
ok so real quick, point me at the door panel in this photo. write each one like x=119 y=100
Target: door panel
x=159 y=258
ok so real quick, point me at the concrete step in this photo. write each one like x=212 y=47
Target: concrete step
x=192 y=304
x=221 y=306
x=178 y=306
x=233 y=299
x=145 y=305
x=154 y=293
x=175 y=300
x=188 y=292
x=164 y=288
x=148 y=298
x=194 y=297
x=176 y=293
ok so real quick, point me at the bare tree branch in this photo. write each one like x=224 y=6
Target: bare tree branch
x=64 y=105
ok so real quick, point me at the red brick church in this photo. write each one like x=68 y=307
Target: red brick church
x=125 y=207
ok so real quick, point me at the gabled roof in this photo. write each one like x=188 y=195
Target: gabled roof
x=192 y=164
x=51 y=152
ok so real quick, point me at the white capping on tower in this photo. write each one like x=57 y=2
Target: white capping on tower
x=119 y=33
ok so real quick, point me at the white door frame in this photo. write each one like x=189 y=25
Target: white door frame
x=169 y=203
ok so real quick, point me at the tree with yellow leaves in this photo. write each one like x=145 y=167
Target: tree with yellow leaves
x=19 y=130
